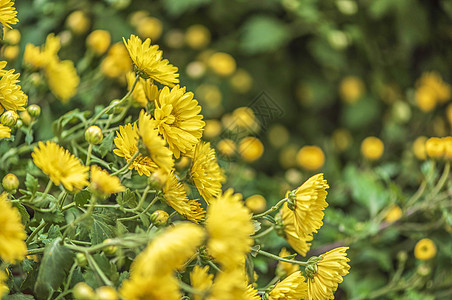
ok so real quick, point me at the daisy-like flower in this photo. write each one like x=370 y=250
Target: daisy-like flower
x=62 y=79
x=293 y=287
x=230 y=228
x=156 y=287
x=8 y=13
x=325 y=277
x=175 y=195
x=231 y=285
x=285 y=268
x=201 y=280
x=154 y=143
x=12 y=233
x=206 y=172
x=425 y=249
x=11 y=95
x=3 y=287
x=310 y=203
x=178 y=119
x=60 y=165
x=39 y=57
x=126 y=143
x=5 y=131
x=104 y=183
x=148 y=59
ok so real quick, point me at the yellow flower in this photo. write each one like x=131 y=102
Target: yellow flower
x=178 y=119
x=78 y=22
x=148 y=59
x=61 y=166
x=117 y=63
x=433 y=80
x=98 y=41
x=3 y=287
x=175 y=195
x=62 y=79
x=8 y=13
x=11 y=52
x=232 y=285
x=256 y=203
x=325 y=278
x=197 y=36
x=251 y=149
x=244 y=117
x=154 y=143
x=447 y=141
x=5 y=131
x=105 y=183
x=12 y=233
x=351 y=89
x=11 y=95
x=222 y=64
x=293 y=287
x=126 y=143
x=285 y=268
x=425 y=98
x=157 y=287
x=39 y=57
x=419 y=148
x=213 y=129
x=230 y=228
x=372 y=148
x=226 y=147
x=297 y=239
x=201 y=280
x=425 y=249
x=310 y=158
x=241 y=81
x=12 y=37
x=206 y=172
x=393 y=214
x=434 y=147
x=149 y=27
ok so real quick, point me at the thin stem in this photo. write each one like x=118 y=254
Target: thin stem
x=442 y=180
x=143 y=197
x=127 y=165
x=272 y=209
x=62 y=198
x=35 y=232
x=144 y=211
x=296 y=262
x=214 y=266
x=263 y=233
x=88 y=156
x=46 y=191
x=35 y=251
x=99 y=271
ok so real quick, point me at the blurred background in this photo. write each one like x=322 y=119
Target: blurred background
x=289 y=88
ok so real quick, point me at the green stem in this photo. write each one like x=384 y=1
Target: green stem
x=144 y=211
x=296 y=262
x=83 y=217
x=441 y=181
x=88 y=156
x=35 y=232
x=272 y=209
x=143 y=197
x=99 y=271
x=62 y=198
x=263 y=233
x=35 y=251
x=214 y=266
x=127 y=165
x=190 y=289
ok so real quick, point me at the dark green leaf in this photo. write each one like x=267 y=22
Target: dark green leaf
x=31 y=183
x=18 y=296
x=107 y=145
x=128 y=198
x=101 y=230
x=82 y=197
x=25 y=217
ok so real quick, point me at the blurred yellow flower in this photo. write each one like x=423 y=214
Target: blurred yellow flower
x=310 y=158
x=148 y=59
x=441 y=89
x=138 y=94
x=351 y=89
x=222 y=64
x=434 y=147
x=342 y=139
x=62 y=79
x=231 y=285
x=60 y=165
x=449 y=113
x=393 y=214
x=425 y=249
x=12 y=36
x=201 y=280
x=104 y=183
x=419 y=148
x=149 y=27
x=117 y=63
x=206 y=172
x=176 y=197
x=10 y=52
x=156 y=287
x=241 y=81
x=98 y=41
x=293 y=287
x=278 y=135
x=5 y=131
x=212 y=129
x=244 y=117
x=8 y=13
x=372 y=148
x=226 y=147
x=197 y=36
x=251 y=149
x=3 y=287
x=425 y=98
x=229 y=226
x=78 y=22
x=256 y=203
x=284 y=268
x=210 y=95
x=323 y=281
x=178 y=119
x=447 y=141
x=39 y=57
x=12 y=233
x=12 y=96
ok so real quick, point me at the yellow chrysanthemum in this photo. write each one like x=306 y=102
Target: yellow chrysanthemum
x=138 y=94
x=285 y=268
x=310 y=203
x=60 y=165
x=105 y=183
x=425 y=249
x=175 y=195
x=297 y=239
x=293 y=287
x=157 y=287
x=230 y=228
x=11 y=95
x=332 y=266
x=206 y=172
x=12 y=233
x=3 y=287
x=148 y=59
x=232 y=285
x=178 y=119
x=126 y=143
x=5 y=131
x=155 y=145
x=39 y=57
x=117 y=63
x=201 y=280
x=8 y=13
x=62 y=79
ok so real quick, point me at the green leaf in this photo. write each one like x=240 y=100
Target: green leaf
x=263 y=34
x=128 y=198
x=50 y=217
x=101 y=230
x=25 y=217
x=178 y=7
x=18 y=296
x=82 y=197
x=55 y=265
x=31 y=183
x=107 y=145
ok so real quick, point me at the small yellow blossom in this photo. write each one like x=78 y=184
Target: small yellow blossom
x=293 y=287
x=256 y=203
x=201 y=280
x=222 y=64
x=212 y=129
x=231 y=285
x=351 y=89
x=447 y=142
x=393 y=214
x=105 y=183
x=419 y=148
x=12 y=233
x=310 y=158
x=63 y=79
x=10 y=52
x=372 y=148
x=197 y=36
x=434 y=147
x=78 y=22
x=251 y=149
x=226 y=147
x=12 y=37
x=149 y=27
x=98 y=41
x=11 y=95
x=3 y=287
x=8 y=13
x=39 y=57
x=117 y=63
x=61 y=166
x=425 y=249
x=5 y=131
x=241 y=81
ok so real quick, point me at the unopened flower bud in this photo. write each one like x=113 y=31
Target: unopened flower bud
x=311 y=268
x=106 y=293
x=19 y=124
x=94 y=135
x=110 y=250
x=159 y=217
x=34 y=110
x=82 y=261
x=9 y=118
x=83 y=291
x=291 y=201
x=25 y=117
x=423 y=270
x=10 y=182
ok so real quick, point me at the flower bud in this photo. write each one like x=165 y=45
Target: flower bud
x=159 y=217
x=106 y=293
x=19 y=124
x=25 y=117
x=256 y=203
x=78 y=22
x=10 y=182
x=98 y=41
x=9 y=118
x=94 y=135
x=34 y=110
x=81 y=259
x=83 y=291
x=434 y=147
x=110 y=250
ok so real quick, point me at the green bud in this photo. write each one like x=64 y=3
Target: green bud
x=34 y=110
x=25 y=117
x=111 y=249
x=10 y=182
x=159 y=217
x=9 y=118
x=81 y=259
x=423 y=270
x=19 y=123
x=83 y=291
x=291 y=203
x=94 y=135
